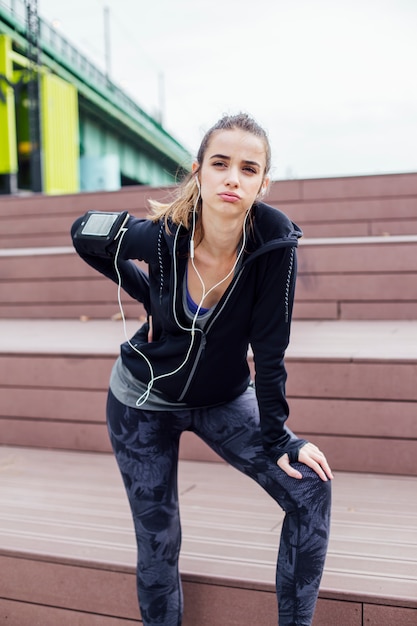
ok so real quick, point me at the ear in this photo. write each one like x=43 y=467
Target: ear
x=264 y=186
x=195 y=166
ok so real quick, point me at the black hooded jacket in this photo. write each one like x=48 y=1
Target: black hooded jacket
x=209 y=367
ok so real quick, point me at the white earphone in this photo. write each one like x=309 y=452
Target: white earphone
x=194 y=218
x=192 y=330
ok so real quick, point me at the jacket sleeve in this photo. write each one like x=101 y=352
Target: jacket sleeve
x=270 y=334
x=103 y=259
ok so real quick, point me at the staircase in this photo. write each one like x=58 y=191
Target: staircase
x=67 y=548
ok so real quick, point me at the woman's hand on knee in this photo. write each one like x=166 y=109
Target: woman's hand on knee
x=310 y=455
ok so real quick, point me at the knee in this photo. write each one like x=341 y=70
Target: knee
x=314 y=489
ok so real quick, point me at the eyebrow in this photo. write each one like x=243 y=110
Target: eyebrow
x=227 y=158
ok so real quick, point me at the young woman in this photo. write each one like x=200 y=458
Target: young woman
x=222 y=267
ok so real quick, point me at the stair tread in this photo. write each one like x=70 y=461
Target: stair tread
x=71 y=507
x=342 y=339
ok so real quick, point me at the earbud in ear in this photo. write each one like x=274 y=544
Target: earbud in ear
x=262 y=190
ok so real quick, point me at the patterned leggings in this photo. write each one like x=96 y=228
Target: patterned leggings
x=146 y=445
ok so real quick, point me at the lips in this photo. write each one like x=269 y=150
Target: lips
x=228 y=196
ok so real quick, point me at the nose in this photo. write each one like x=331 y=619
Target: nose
x=232 y=177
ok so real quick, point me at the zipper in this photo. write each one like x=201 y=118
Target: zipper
x=216 y=315
x=233 y=287
x=204 y=340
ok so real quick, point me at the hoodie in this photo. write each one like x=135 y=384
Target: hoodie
x=208 y=366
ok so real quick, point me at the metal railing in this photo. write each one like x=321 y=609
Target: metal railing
x=63 y=51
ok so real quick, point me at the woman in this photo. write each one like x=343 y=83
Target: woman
x=222 y=267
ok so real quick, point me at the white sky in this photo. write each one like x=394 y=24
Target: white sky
x=332 y=81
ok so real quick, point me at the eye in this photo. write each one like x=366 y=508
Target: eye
x=219 y=164
x=250 y=170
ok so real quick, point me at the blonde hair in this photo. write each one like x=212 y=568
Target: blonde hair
x=187 y=194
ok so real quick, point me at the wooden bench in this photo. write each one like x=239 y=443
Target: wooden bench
x=348 y=278
x=333 y=207
x=48 y=283
x=45 y=221
x=370 y=277
x=67 y=552
x=353 y=206
x=351 y=388
x=66 y=540
x=357 y=278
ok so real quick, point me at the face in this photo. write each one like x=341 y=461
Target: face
x=232 y=173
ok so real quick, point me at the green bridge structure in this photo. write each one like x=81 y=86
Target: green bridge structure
x=64 y=125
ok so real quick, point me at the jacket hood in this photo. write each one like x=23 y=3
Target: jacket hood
x=271 y=229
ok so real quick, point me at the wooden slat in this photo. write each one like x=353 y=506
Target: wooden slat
x=46 y=264
x=70 y=311
x=352 y=210
x=358 y=255
x=15 y=613
x=368 y=454
x=128 y=198
x=207 y=601
x=332 y=612
x=345 y=382
x=375 y=276
x=375 y=615
x=362 y=205
x=313 y=310
x=406 y=310
x=360 y=186
x=48 y=372
x=58 y=285
x=357 y=378
x=355 y=418
x=377 y=288
x=358 y=278
x=67 y=542
x=82 y=435
x=85 y=589
x=399 y=227
x=45 y=292
x=365 y=454
x=323 y=207
x=56 y=405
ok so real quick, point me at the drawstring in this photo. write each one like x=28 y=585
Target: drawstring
x=287 y=287
x=161 y=267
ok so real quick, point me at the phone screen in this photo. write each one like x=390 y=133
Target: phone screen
x=99 y=224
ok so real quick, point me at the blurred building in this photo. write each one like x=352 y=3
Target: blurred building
x=64 y=126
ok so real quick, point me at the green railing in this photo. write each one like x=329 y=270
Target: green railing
x=62 y=51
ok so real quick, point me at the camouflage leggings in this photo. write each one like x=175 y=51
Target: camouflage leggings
x=146 y=444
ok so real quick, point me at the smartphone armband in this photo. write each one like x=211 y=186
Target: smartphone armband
x=101 y=226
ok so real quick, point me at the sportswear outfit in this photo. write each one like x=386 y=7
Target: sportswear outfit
x=194 y=375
